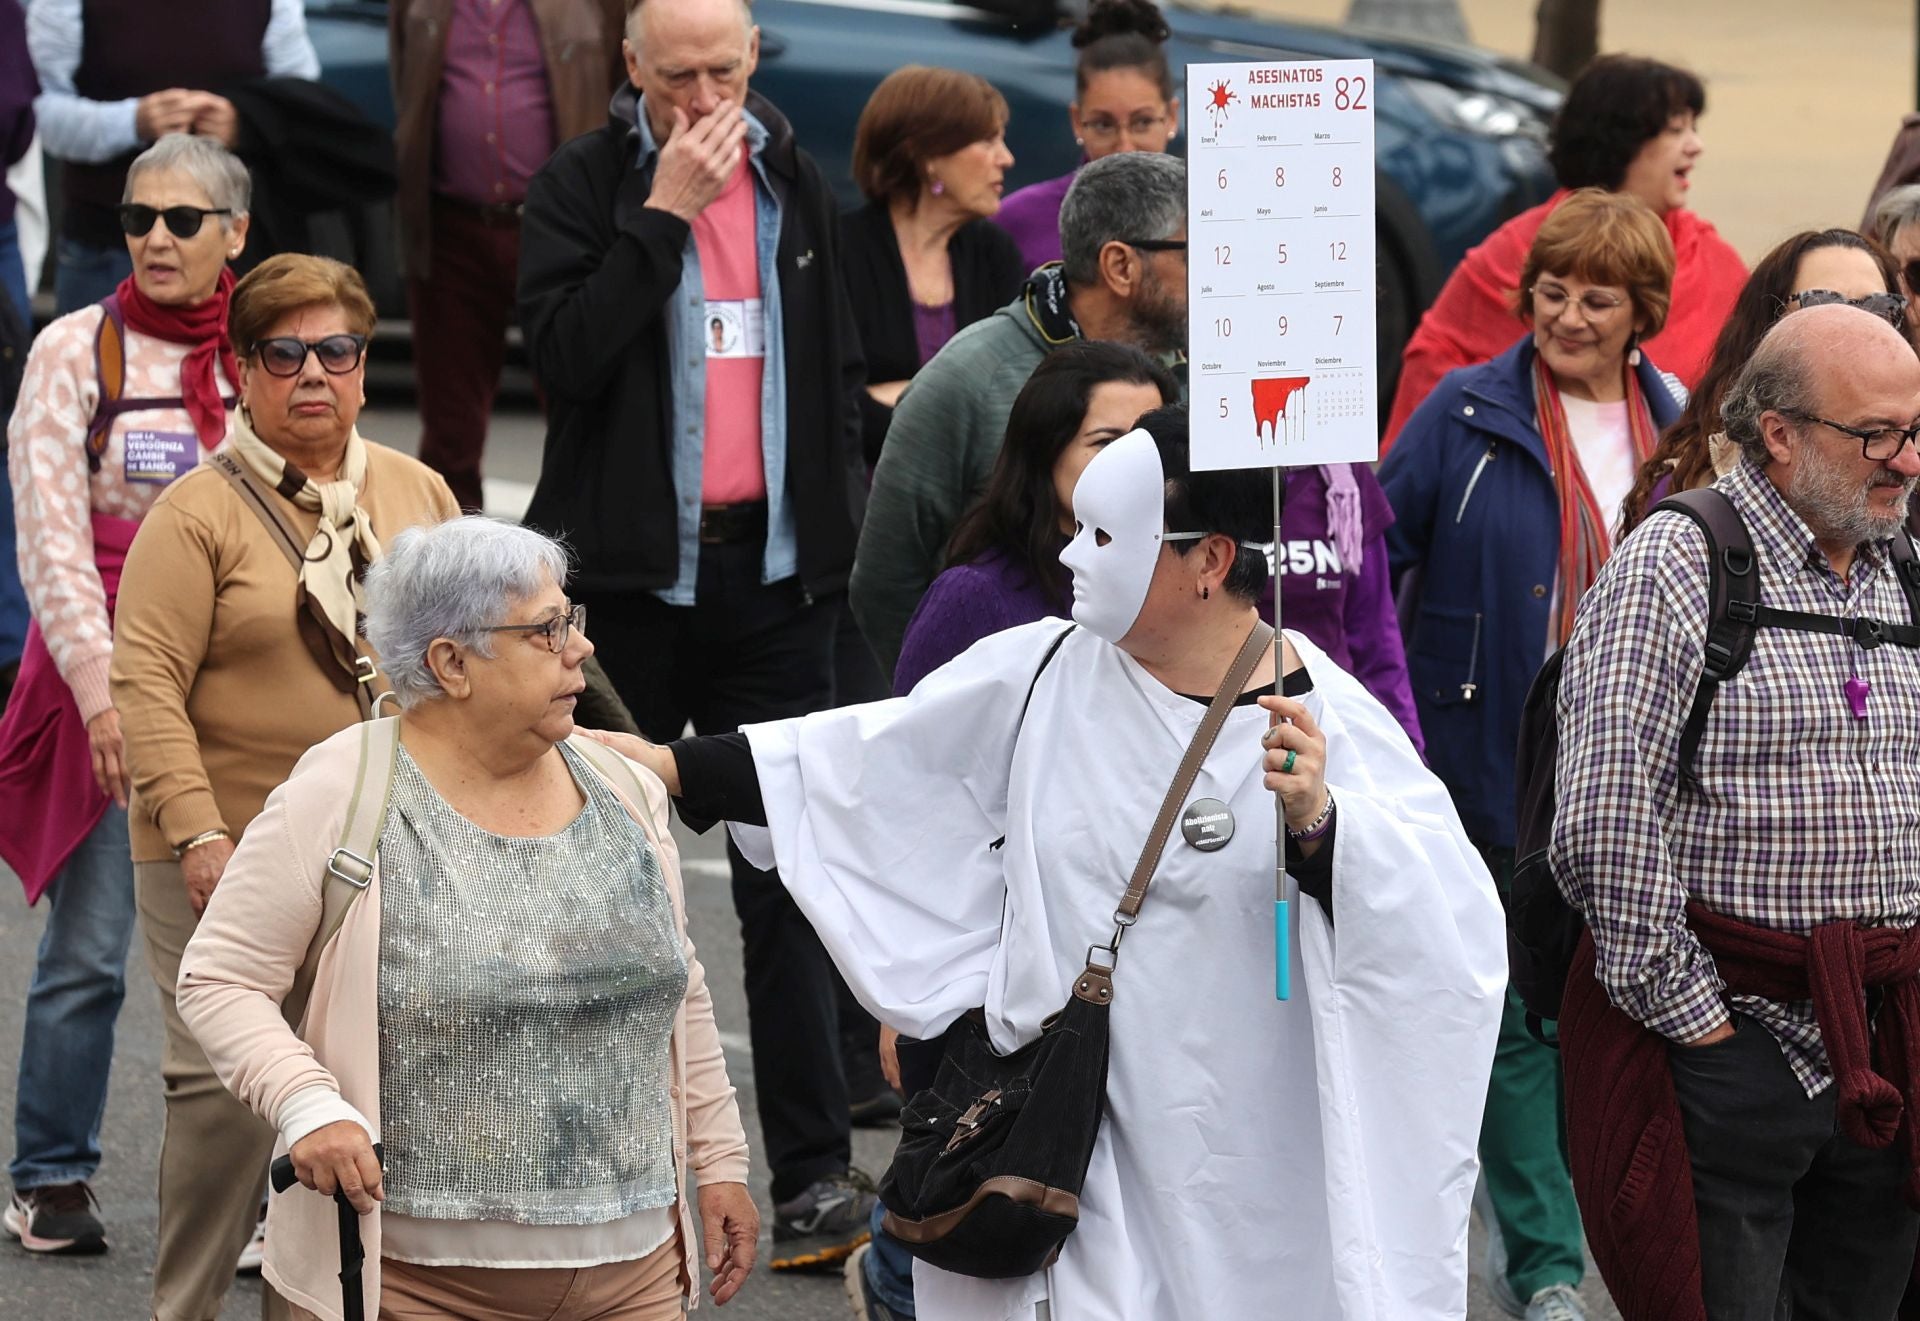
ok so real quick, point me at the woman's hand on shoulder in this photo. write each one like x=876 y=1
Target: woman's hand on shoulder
x=339 y=1158
x=656 y=757
x=1295 y=760
x=730 y=1223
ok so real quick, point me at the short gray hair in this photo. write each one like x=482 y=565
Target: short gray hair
x=1778 y=378
x=218 y=171
x=452 y=580
x=1128 y=195
x=1896 y=209
x=631 y=28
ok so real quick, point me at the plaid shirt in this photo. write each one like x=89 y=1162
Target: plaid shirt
x=1805 y=814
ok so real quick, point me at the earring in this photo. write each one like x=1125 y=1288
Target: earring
x=938 y=188
x=1633 y=351
x=1205 y=591
x=1079 y=142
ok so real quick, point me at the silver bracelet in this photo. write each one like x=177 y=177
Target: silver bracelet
x=1317 y=827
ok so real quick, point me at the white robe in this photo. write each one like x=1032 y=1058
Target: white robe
x=1313 y=1158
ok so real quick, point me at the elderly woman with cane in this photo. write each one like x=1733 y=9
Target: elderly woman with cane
x=462 y=930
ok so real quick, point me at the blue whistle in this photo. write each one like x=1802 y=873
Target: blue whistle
x=1282 y=952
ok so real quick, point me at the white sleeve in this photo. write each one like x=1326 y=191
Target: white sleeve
x=72 y=128
x=313 y=1108
x=287 y=51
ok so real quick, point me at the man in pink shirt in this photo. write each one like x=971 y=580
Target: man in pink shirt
x=484 y=91
x=686 y=318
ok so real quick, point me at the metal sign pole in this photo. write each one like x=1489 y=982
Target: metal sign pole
x=1282 y=929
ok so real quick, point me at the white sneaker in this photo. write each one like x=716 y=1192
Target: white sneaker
x=1556 y=1302
x=256 y=1250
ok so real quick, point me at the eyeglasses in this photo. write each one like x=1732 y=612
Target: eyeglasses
x=558 y=631
x=1551 y=300
x=285 y=355
x=1101 y=129
x=1876 y=443
x=1891 y=308
x=183 y=222
x=1157 y=245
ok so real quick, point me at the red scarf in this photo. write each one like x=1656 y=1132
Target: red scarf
x=1584 y=534
x=204 y=326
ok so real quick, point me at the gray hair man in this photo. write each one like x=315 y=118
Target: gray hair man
x=1791 y=853
x=1122 y=276
x=711 y=491
x=1896 y=223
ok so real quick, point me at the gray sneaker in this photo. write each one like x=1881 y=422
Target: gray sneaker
x=861 y=1299
x=1556 y=1302
x=823 y=1225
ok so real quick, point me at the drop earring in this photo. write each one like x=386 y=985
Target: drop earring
x=1205 y=592
x=1633 y=350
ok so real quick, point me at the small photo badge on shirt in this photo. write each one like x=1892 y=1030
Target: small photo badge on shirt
x=1207 y=823
x=158 y=456
x=735 y=328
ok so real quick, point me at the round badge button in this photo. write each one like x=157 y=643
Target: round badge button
x=1207 y=823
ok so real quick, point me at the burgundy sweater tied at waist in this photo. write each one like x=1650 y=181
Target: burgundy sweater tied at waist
x=1625 y=1140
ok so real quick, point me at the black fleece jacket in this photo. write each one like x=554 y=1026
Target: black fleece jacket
x=596 y=270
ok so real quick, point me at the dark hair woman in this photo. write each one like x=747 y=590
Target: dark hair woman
x=1123 y=101
x=920 y=261
x=1628 y=125
x=1814 y=266
x=1004 y=559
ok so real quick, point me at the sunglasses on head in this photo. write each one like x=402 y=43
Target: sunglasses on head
x=285 y=355
x=1891 y=308
x=183 y=222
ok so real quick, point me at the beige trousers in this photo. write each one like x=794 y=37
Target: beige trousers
x=646 y=1289
x=213 y=1157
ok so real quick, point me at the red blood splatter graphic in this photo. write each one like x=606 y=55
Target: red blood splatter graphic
x=1270 y=399
x=1219 y=96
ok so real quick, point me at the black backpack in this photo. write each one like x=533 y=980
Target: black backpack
x=1543 y=930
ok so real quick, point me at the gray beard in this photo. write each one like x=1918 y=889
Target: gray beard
x=1836 y=510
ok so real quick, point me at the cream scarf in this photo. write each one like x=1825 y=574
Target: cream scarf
x=342 y=545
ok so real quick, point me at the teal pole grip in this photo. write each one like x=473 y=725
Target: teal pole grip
x=1282 y=952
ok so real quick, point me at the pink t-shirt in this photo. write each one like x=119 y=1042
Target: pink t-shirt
x=734 y=334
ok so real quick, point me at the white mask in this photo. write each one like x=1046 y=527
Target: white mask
x=1119 y=508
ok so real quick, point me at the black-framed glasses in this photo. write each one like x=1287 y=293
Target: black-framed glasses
x=285 y=355
x=1876 y=443
x=558 y=631
x=1157 y=245
x=183 y=222
x=1891 y=308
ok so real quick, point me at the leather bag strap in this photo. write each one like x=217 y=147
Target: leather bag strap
x=1095 y=984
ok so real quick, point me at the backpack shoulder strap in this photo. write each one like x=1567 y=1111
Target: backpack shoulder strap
x=1906 y=571
x=1733 y=600
x=110 y=370
x=253 y=494
x=617 y=771
x=350 y=866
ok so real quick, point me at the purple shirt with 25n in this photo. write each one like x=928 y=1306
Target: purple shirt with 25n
x=1347 y=615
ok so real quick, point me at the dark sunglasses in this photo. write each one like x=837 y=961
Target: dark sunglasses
x=183 y=222
x=1157 y=245
x=1891 y=308
x=285 y=355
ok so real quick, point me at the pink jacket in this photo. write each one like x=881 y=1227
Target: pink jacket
x=240 y=964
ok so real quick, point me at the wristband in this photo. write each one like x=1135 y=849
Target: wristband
x=204 y=837
x=1318 y=827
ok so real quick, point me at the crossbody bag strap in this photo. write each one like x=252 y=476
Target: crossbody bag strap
x=350 y=865
x=1095 y=983
x=254 y=495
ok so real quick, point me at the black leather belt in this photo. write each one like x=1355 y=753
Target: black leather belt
x=722 y=524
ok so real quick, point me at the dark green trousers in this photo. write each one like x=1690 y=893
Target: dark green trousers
x=1523 y=1147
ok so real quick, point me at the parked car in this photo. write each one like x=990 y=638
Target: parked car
x=1460 y=132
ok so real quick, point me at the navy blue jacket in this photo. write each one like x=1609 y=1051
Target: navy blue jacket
x=1477 y=518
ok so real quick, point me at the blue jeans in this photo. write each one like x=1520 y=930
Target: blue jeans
x=13 y=601
x=889 y=1268
x=79 y=980
x=84 y=274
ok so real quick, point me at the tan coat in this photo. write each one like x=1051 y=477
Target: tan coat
x=581 y=42
x=253 y=937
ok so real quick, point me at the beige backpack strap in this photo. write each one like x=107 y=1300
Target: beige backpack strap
x=617 y=771
x=350 y=866
x=1095 y=983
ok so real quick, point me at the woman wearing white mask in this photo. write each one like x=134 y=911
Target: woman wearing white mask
x=1319 y=1149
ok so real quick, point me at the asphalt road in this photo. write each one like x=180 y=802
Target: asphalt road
x=115 y=1287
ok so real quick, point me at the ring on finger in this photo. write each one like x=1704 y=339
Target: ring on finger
x=1287 y=765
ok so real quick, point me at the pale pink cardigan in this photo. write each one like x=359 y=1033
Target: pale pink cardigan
x=240 y=963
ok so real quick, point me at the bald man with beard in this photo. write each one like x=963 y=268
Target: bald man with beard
x=1738 y=1034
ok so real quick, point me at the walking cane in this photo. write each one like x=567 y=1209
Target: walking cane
x=353 y=1303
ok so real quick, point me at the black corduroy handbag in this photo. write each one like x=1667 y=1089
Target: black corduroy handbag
x=986 y=1180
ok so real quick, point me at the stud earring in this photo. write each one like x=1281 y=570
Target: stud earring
x=938 y=188
x=1079 y=142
